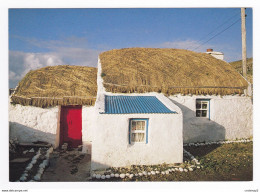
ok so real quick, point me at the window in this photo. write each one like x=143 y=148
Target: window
x=138 y=129
x=202 y=108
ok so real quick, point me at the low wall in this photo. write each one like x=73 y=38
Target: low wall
x=231 y=117
x=30 y=124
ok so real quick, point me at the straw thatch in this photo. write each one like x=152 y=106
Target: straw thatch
x=58 y=85
x=170 y=71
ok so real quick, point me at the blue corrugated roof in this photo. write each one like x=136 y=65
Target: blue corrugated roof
x=134 y=104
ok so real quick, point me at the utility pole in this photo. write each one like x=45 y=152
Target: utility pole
x=243 y=33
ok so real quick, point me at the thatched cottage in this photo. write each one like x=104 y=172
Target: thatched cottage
x=139 y=107
x=54 y=104
x=214 y=98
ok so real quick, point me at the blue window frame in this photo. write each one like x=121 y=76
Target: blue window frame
x=138 y=130
x=203 y=108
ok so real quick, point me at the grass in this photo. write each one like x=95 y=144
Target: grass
x=227 y=162
x=238 y=66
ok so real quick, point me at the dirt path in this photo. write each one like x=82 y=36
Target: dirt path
x=67 y=166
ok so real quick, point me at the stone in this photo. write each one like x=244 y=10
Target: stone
x=127 y=174
x=29 y=167
x=33 y=161
x=122 y=176
x=94 y=175
x=148 y=173
x=23 y=178
x=41 y=170
x=37 y=177
x=136 y=175
x=198 y=167
x=140 y=174
x=131 y=176
x=117 y=175
x=20 y=160
x=103 y=177
x=112 y=175
x=181 y=169
x=186 y=170
x=108 y=176
x=42 y=165
x=163 y=173
x=26 y=151
x=98 y=176
x=153 y=172
x=190 y=169
x=157 y=172
x=144 y=173
x=167 y=172
x=32 y=150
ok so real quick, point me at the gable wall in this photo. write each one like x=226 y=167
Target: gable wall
x=230 y=118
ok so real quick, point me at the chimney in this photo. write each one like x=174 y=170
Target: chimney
x=209 y=50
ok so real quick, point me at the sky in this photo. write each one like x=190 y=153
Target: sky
x=48 y=37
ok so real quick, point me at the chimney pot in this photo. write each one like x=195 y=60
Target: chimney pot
x=209 y=50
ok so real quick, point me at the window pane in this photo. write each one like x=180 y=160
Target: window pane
x=198 y=104
x=143 y=125
x=139 y=125
x=137 y=137
x=204 y=105
x=198 y=113
x=204 y=113
x=133 y=125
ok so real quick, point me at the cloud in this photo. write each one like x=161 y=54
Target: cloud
x=21 y=63
x=70 y=51
x=186 y=44
x=231 y=52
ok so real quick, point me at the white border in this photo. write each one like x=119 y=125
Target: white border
x=177 y=186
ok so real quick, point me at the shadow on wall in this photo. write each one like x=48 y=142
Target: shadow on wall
x=95 y=166
x=28 y=134
x=199 y=129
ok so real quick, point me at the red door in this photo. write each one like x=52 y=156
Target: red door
x=71 y=125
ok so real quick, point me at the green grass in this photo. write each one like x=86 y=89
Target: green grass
x=238 y=66
x=227 y=162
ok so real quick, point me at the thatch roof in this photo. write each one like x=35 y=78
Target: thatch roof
x=170 y=71
x=58 y=85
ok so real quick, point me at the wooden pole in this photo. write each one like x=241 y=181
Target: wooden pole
x=243 y=34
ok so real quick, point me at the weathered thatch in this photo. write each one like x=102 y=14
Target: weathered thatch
x=58 y=85
x=170 y=71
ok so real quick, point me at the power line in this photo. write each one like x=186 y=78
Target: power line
x=217 y=34
x=219 y=26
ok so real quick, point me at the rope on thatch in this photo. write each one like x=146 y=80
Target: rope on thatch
x=45 y=102
x=171 y=90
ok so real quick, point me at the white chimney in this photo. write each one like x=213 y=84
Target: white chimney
x=215 y=54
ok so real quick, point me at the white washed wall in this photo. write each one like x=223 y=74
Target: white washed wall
x=110 y=146
x=111 y=141
x=30 y=124
x=230 y=118
x=88 y=124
